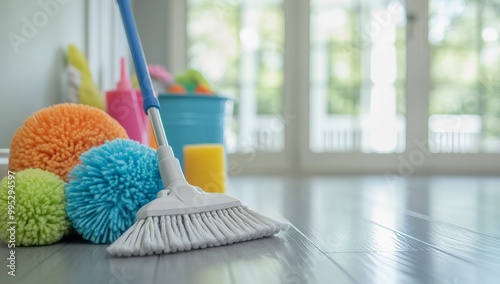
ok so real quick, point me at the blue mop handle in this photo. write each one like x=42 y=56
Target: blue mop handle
x=150 y=102
x=148 y=96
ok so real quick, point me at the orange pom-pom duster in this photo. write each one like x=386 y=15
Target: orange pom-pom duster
x=53 y=138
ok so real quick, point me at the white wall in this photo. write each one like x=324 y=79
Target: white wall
x=31 y=72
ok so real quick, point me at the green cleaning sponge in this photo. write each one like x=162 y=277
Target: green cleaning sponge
x=38 y=208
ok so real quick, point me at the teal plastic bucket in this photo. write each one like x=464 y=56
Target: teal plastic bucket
x=194 y=119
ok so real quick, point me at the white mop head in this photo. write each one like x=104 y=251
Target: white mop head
x=184 y=217
x=167 y=234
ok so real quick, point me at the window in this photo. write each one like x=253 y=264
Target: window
x=465 y=83
x=239 y=46
x=357 y=76
x=373 y=86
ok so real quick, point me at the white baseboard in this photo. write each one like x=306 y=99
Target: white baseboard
x=4 y=162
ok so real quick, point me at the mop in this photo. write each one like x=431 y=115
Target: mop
x=182 y=217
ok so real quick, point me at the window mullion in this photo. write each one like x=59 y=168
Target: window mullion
x=417 y=76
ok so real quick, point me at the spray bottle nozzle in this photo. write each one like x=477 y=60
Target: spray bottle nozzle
x=124 y=83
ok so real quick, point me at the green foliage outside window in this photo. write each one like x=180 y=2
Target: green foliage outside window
x=465 y=65
x=214 y=30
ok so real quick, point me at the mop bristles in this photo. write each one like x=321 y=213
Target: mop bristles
x=168 y=234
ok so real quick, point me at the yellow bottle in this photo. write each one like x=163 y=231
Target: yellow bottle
x=204 y=166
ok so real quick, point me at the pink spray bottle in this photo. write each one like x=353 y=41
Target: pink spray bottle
x=123 y=105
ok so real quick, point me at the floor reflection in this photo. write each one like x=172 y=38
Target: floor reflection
x=344 y=230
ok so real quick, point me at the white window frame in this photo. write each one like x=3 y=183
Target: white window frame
x=297 y=157
x=106 y=43
x=416 y=159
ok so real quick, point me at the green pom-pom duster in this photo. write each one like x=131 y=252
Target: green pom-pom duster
x=39 y=208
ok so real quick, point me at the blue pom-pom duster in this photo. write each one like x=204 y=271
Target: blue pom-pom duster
x=110 y=185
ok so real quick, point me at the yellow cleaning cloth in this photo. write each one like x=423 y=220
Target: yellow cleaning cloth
x=204 y=166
